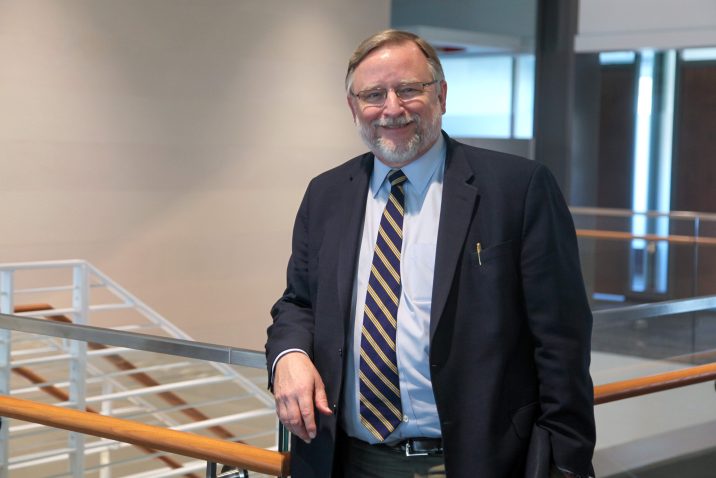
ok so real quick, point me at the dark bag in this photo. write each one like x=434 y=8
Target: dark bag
x=539 y=454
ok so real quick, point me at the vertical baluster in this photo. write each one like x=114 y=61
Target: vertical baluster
x=6 y=307
x=78 y=365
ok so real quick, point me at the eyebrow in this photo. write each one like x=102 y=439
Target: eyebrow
x=382 y=87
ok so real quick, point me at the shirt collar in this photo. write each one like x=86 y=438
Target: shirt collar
x=418 y=172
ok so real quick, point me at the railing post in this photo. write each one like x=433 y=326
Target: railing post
x=105 y=457
x=697 y=232
x=226 y=472
x=6 y=307
x=78 y=365
x=284 y=438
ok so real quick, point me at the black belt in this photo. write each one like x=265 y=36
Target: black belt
x=418 y=447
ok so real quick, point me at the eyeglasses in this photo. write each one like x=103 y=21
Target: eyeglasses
x=405 y=92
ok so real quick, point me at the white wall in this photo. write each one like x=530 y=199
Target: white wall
x=169 y=142
x=635 y=24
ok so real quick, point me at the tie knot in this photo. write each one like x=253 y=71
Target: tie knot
x=396 y=177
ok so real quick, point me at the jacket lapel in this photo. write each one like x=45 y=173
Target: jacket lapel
x=350 y=227
x=456 y=213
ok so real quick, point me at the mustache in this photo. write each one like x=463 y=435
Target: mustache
x=392 y=122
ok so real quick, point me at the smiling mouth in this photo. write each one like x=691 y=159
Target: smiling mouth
x=396 y=126
x=394 y=123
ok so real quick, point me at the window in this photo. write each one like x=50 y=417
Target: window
x=489 y=96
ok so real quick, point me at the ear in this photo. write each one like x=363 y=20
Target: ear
x=442 y=95
x=352 y=106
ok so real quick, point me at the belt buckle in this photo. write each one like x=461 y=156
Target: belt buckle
x=409 y=450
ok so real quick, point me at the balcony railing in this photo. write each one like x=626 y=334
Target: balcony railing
x=629 y=376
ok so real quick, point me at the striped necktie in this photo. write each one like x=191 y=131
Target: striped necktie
x=380 y=409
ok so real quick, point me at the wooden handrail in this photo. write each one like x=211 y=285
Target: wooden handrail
x=266 y=461
x=142 y=378
x=60 y=394
x=635 y=387
x=627 y=236
x=121 y=363
x=173 y=441
x=277 y=463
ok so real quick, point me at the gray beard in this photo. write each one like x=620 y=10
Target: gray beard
x=398 y=154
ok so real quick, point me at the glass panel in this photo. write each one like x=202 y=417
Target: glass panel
x=704 y=259
x=654 y=435
x=643 y=346
x=524 y=96
x=606 y=239
x=479 y=96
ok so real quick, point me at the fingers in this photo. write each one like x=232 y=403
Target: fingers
x=290 y=415
x=296 y=382
x=305 y=406
x=321 y=400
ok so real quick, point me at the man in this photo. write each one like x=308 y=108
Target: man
x=435 y=305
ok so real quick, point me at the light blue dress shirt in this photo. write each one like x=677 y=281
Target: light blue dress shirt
x=423 y=197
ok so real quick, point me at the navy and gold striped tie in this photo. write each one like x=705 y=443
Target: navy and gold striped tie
x=380 y=409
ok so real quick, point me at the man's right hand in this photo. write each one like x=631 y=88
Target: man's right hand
x=298 y=389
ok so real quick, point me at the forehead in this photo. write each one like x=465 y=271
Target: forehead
x=392 y=63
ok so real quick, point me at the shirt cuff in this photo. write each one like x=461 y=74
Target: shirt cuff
x=278 y=357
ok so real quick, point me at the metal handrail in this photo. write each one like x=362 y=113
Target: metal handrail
x=627 y=236
x=39 y=265
x=254 y=359
x=667 y=307
x=134 y=340
x=614 y=212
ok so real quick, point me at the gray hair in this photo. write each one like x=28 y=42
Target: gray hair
x=391 y=37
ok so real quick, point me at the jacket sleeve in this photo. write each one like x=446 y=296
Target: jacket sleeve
x=292 y=314
x=560 y=321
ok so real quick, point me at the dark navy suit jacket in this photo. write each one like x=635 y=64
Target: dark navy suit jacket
x=509 y=331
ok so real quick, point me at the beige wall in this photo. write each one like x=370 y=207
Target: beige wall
x=169 y=142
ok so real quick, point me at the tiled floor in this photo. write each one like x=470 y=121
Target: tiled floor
x=695 y=466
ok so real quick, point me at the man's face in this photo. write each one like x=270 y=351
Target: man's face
x=398 y=131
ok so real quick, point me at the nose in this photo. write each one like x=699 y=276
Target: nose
x=393 y=106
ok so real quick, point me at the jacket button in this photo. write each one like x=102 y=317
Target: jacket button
x=335 y=407
x=340 y=352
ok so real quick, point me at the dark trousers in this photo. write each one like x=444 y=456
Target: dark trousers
x=361 y=460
